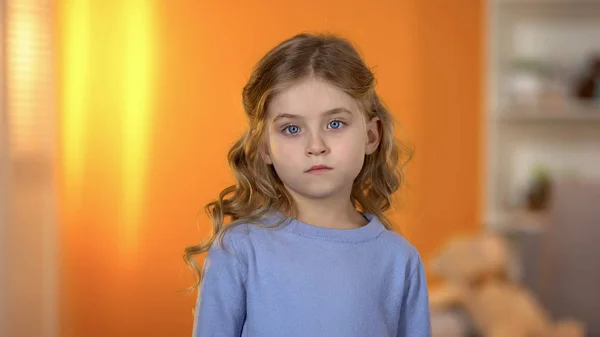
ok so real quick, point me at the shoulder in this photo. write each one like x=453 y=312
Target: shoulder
x=227 y=249
x=401 y=249
x=232 y=237
x=247 y=236
x=398 y=242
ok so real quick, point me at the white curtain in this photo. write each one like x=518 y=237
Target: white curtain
x=28 y=232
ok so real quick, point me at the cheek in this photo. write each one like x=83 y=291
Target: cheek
x=355 y=159
x=283 y=150
x=351 y=152
x=350 y=145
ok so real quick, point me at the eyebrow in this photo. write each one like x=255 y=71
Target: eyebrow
x=324 y=113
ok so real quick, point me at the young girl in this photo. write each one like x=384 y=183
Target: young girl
x=309 y=251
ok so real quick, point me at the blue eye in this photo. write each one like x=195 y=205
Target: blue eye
x=335 y=124
x=291 y=129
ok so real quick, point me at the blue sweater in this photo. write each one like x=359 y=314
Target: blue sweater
x=303 y=280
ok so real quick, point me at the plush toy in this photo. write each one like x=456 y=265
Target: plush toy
x=476 y=278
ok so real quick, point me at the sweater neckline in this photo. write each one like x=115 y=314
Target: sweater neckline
x=368 y=232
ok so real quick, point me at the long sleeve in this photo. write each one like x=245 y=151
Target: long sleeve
x=415 y=315
x=221 y=303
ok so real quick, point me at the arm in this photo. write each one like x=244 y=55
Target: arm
x=414 y=315
x=221 y=304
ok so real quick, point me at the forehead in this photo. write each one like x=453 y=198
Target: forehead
x=310 y=97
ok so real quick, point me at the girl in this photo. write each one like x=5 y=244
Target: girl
x=309 y=251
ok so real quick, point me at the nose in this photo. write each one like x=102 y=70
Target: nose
x=316 y=146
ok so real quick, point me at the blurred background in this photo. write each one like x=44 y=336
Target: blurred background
x=116 y=117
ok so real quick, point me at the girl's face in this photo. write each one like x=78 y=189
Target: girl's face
x=318 y=138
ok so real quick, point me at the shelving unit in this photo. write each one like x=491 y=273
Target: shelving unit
x=565 y=112
x=553 y=129
x=560 y=133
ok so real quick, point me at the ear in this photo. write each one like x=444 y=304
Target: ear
x=373 y=135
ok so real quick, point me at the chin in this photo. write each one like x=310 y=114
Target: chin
x=317 y=192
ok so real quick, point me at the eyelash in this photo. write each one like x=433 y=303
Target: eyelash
x=286 y=128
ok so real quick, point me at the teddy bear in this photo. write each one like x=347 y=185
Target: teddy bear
x=476 y=279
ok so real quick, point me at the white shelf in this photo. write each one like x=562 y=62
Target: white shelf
x=571 y=111
x=518 y=221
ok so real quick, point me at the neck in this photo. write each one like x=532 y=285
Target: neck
x=333 y=212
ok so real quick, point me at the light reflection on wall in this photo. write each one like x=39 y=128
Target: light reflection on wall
x=136 y=119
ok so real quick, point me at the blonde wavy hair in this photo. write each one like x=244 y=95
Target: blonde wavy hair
x=258 y=190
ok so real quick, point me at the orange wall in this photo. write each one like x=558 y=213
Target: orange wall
x=149 y=101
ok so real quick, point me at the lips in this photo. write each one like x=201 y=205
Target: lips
x=319 y=168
